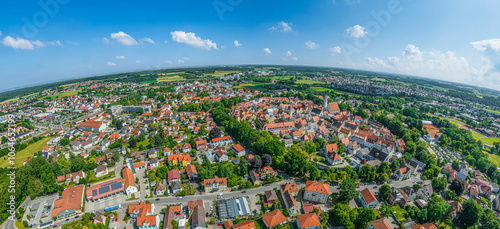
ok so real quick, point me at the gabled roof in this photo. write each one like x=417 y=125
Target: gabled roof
x=368 y=196
x=317 y=187
x=128 y=178
x=380 y=224
x=308 y=220
x=274 y=218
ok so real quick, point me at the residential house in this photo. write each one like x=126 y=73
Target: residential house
x=425 y=192
x=238 y=150
x=379 y=224
x=191 y=172
x=173 y=175
x=215 y=184
x=101 y=170
x=316 y=192
x=308 y=221
x=367 y=199
x=274 y=218
x=270 y=197
x=129 y=181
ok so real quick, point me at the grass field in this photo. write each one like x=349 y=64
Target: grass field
x=61 y=95
x=170 y=73
x=22 y=155
x=253 y=86
x=309 y=82
x=222 y=73
x=476 y=135
x=320 y=89
x=171 y=78
x=8 y=100
x=492 y=111
x=495 y=159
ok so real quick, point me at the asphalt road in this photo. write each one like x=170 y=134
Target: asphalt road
x=162 y=202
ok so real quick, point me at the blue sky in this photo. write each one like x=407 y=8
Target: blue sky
x=61 y=39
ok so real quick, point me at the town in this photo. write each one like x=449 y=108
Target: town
x=267 y=148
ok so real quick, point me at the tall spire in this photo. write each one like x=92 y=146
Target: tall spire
x=325 y=102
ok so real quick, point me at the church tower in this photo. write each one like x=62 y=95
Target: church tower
x=325 y=102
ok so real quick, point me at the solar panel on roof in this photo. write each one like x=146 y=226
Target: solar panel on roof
x=94 y=192
x=116 y=186
x=104 y=189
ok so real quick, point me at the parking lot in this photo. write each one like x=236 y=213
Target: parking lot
x=40 y=209
x=100 y=205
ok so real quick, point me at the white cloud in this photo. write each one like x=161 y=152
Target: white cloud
x=165 y=41
x=312 y=45
x=106 y=41
x=149 y=40
x=493 y=44
x=72 y=43
x=111 y=64
x=168 y=62
x=335 y=50
x=294 y=59
x=435 y=64
x=282 y=27
x=124 y=39
x=1 y=33
x=192 y=40
x=20 y=43
x=237 y=43
x=288 y=53
x=138 y=61
x=412 y=53
x=356 y=31
x=120 y=57
x=267 y=51
x=181 y=61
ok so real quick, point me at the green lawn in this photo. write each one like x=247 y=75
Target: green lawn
x=145 y=143
x=309 y=82
x=400 y=213
x=22 y=155
x=495 y=159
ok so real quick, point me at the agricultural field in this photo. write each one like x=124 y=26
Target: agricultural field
x=253 y=86
x=309 y=82
x=170 y=73
x=62 y=95
x=320 y=89
x=22 y=155
x=223 y=73
x=170 y=78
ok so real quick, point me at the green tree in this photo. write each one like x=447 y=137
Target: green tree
x=348 y=190
x=471 y=213
x=384 y=192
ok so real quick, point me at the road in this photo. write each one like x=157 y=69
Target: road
x=162 y=202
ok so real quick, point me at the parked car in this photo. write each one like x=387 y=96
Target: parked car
x=219 y=224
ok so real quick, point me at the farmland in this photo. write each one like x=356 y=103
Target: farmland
x=171 y=78
x=22 y=155
x=222 y=73
x=253 y=86
x=309 y=82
